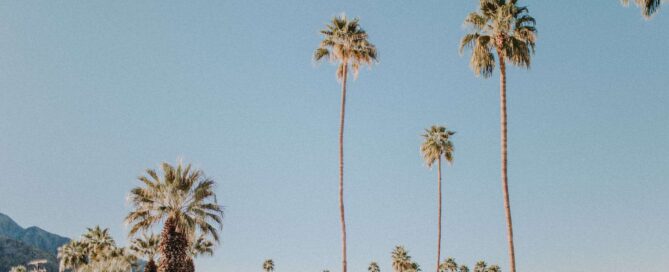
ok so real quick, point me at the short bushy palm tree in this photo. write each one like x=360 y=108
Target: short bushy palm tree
x=648 y=7
x=437 y=144
x=72 y=255
x=147 y=247
x=373 y=267
x=502 y=27
x=18 y=268
x=482 y=266
x=449 y=265
x=464 y=268
x=401 y=260
x=268 y=265
x=345 y=43
x=185 y=200
x=98 y=241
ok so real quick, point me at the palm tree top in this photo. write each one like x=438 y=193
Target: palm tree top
x=344 y=41
x=648 y=7
x=503 y=26
x=146 y=246
x=373 y=267
x=182 y=194
x=268 y=265
x=202 y=246
x=437 y=143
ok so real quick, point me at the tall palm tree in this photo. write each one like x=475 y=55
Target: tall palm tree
x=268 y=265
x=648 y=7
x=401 y=260
x=147 y=247
x=437 y=144
x=345 y=42
x=373 y=267
x=449 y=265
x=185 y=200
x=72 y=255
x=18 y=268
x=503 y=27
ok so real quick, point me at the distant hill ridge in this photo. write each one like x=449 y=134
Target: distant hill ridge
x=19 y=245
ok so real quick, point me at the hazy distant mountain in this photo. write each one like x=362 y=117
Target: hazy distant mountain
x=19 y=245
x=14 y=252
x=8 y=227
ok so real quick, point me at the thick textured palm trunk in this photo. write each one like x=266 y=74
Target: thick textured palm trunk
x=341 y=168
x=190 y=265
x=439 y=217
x=151 y=266
x=173 y=249
x=505 y=186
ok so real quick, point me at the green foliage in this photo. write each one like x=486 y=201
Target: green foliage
x=401 y=261
x=18 y=268
x=182 y=194
x=345 y=42
x=268 y=265
x=500 y=26
x=373 y=267
x=648 y=7
x=96 y=251
x=437 y=143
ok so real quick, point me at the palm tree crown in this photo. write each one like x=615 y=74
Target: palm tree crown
x=648 y=7
x=502 y=26
x=18 y=268
x=437 y=144
x=146 y=246
x=268 y=265
x=373 y=267
x=73 y=255
x=202 y=246
x=183 y=195
x=98 y=241
x=449 y=265
x=345 y=42
x=401 y=260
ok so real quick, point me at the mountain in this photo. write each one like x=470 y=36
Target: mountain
x=42 y=239
x=14 y=252
x=8 y=227
x=20 y=246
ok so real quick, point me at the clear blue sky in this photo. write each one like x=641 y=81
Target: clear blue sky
x=94 y=92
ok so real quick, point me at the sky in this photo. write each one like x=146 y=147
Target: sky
x=92 y=93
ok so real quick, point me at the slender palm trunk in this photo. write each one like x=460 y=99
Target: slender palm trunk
x=341 y=168
x=505 y=186
x=439 y=217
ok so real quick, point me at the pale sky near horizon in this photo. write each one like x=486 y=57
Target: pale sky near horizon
x=94 y=92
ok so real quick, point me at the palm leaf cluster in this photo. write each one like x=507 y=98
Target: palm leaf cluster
x=436 y=144
x=401 y=261
x=648 y=7
x=95 y=251
x=184 y=199
x=344 y=41
x=503 y=27
x=18 y=268
x=268 y=265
